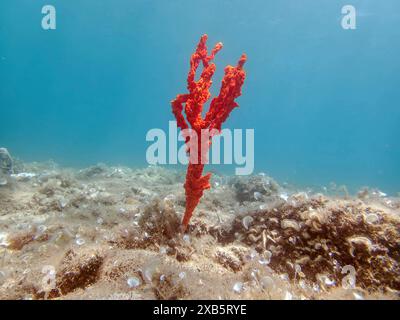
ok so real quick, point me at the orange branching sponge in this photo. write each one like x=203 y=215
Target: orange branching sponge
x=203 y=129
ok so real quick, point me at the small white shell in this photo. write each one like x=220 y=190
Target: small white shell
x=133 y=282
x=246 y=221
x=372 y=218
x=80 y=241
x=3 y=239
x=186 y=238
x=288 y=223
x=266 y=259
x=257 y=195
x=238 y=287
x=267 y=283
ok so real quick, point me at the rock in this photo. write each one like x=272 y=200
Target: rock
x=6 y=162
x=92 y=171
x=254 y=188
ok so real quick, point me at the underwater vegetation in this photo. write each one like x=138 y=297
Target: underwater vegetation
x=220 y=108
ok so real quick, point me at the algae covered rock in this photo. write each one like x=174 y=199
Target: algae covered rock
x=92 y=171
x=254 y=188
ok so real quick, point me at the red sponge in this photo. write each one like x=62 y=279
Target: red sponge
x=219 y=111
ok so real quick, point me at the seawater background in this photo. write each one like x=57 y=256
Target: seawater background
x=324 y=102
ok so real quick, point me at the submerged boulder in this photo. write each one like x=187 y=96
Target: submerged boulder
x=93 y=171
x=254 y=188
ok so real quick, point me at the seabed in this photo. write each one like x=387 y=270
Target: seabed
x=113 y=233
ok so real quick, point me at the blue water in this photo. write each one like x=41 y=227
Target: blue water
x=324 y=101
